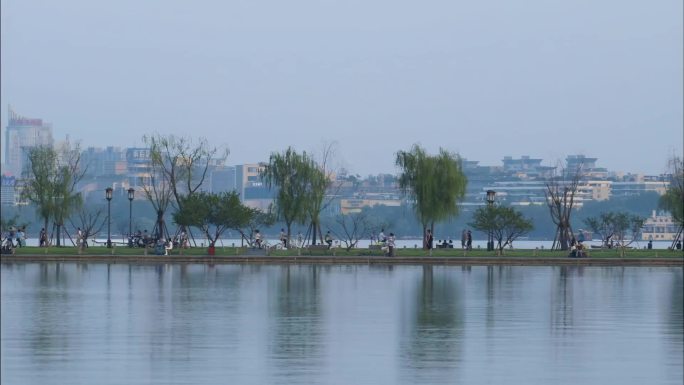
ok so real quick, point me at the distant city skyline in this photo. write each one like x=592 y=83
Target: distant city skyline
x=345 y=165
x=485 y=80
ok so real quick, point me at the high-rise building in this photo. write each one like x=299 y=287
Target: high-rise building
x=23 y=133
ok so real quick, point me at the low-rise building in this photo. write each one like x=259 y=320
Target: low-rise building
x=660 y=227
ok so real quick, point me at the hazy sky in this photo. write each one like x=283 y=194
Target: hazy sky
x=486 y=79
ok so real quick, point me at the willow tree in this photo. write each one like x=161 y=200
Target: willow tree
x=435 y=184
x=290 y=172
x=673 y=199
x=50 y=181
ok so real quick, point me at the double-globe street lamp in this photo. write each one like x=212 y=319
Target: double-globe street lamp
x=108 y=195
x=131 y=195
x=490 y=203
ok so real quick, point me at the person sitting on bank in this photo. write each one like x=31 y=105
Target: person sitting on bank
x=328 y=239
x=160 y=247
x=381 y=237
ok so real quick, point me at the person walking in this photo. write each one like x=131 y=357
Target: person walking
x=328 y=239
x=21 y=237
x=469 y=240
x=464 y=239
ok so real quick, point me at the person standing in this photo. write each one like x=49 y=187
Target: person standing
x=469 y=240
x=428 y=241
x=390 y=245
x=79 y=237
x=283 y=238
x=42 y=237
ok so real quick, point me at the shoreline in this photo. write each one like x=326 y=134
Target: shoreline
x=349 y=260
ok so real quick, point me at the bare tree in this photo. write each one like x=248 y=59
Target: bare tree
x=351 y=228
x=90 y=221
x=183 y=162
x=179 y=168
x=324 y=186
x=560 y=193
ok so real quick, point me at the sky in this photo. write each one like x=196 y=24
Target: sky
x=485 y=79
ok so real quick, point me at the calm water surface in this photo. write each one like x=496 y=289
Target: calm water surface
x=240 y=324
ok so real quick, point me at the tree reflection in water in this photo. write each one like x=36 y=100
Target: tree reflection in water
x=297 y=332
x=432 y=331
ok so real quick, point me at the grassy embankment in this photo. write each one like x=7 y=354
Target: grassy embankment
x=407 y=252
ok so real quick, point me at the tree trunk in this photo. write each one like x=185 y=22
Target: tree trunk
x=313 y=238
x=160 y=224
x=59 y=235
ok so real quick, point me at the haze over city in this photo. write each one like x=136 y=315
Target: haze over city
x=485 y=80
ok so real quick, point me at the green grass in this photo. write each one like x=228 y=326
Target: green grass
x=407 y=252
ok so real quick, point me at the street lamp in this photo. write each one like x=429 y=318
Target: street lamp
x=490 y=237
x=108 y=195
x=131 y=194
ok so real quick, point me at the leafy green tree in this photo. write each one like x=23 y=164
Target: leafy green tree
x=38 y=182
x=435 y=184
x=613 y=227
x=505 y=223
x=291 y=173
x=258 y=220
x=213 y=213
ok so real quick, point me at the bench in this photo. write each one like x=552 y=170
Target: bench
x=317 y=248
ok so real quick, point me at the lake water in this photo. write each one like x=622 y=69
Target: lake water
x=305 y=324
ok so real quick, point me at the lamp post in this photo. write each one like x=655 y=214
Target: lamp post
x=131 y=195
x=490 y=237
x=108 y=195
